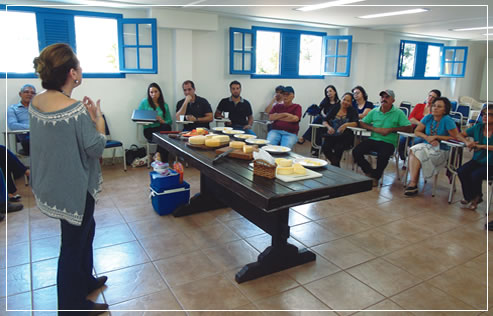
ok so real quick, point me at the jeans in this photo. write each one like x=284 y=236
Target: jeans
x=471 y=175
x=402 y=145
x=24 y=140
x=384 y=151
x=74 y=277
x=240 y=127
x=148 y=135
x=15 y=168
x=283 y=138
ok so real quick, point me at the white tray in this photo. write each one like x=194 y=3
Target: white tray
x=310 y=174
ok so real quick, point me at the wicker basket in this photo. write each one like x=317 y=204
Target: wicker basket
x=264 y=169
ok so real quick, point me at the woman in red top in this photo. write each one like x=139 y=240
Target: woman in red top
x=417 y=114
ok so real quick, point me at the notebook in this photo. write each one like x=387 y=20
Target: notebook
x=144 y=116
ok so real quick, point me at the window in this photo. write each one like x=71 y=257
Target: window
x=280 y=53
x=423 y=60
x=454 y=61
x=100 y=56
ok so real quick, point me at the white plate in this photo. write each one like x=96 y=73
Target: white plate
x=221 y=128
x=276 y=149
x=233 y=131
x=311 y=162
x=257 y=141
x=245 y=136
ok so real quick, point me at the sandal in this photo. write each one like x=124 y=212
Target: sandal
x=15 y=198
x=464 y=202
x=302 y=141
x=411 y=191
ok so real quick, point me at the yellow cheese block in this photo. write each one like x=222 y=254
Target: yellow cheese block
x=285 y=170
x=236 y=145
x=247 y=149
x=285 y=163
x=278 y=160
x=299 y=169
x=197 y=140
x=221 y=138
x=212 y=142
x=200 y=130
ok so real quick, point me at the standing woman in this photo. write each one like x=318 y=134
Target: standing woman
x=155 y=102
x=339 y=137
x=67 y=140
x=361 y=102
x=472 y=173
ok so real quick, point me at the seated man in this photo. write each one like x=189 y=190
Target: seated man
x=239 y=109
x=196 y=109
x=384 y=122
x=286 y=117
x=18 y=116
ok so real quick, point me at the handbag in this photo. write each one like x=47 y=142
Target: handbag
x=134 y=152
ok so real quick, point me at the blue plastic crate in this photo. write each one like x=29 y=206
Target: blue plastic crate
x=165 y=201
x=160 y=182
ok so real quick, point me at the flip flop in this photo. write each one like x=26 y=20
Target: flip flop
x=15 y=198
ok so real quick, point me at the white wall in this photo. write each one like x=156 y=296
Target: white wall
x=203 y=56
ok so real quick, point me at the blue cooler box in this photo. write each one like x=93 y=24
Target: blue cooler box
x=167 y=193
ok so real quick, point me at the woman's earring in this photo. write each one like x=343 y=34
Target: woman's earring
x=76 y=81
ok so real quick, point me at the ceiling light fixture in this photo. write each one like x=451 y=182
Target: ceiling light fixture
x=380 y=15
x=326 y=5
x=472 y=28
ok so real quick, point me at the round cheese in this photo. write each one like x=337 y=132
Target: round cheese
x=285 y=163
x=247 y=149
x=197 y=140
x=285 y=170
x=222 y=138
x=299 y=169
x=212 y=142
x=236 y=144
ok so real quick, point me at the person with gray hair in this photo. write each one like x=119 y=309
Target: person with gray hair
x=18 y=116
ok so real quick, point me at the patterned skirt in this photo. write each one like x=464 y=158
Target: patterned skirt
x=432 y=158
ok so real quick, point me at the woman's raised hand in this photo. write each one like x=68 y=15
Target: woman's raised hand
x=94 y=109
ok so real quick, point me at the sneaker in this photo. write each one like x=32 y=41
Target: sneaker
x=411 y=191
x=11 y=207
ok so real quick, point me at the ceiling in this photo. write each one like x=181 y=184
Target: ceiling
x=437 y=22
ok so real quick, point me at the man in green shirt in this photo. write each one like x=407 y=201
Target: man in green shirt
x=384 y=122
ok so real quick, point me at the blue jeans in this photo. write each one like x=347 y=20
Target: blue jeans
x=283 y=138
x=402 y=145
x=247 y=130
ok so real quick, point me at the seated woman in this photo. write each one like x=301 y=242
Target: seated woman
x=417 y=114
x=339 y=137
x=331 y=99
x=472 y=173
x=155 y=102
x=361 y=102
x=431 y=156
x=12 y=168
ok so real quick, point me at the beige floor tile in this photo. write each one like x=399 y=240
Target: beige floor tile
x=198 y=295
x=112 y=235
x=132 y=198
x=245 y=310
x=45 y=228
x=319 y=210
x=18 y=280
x=340 y=291
x=212 y=235
x=433 y=223
x=16 y=254
x=232 y=255
x=384 y=305
x=265 y=286
x=244 y=228
x=44 y=273
x=296 y=218
x=377 y=242
x=260 y=242
x=406 y=231
x=427 y=297
x=313 y=270
x=186 y=268
x=129 y=283
x=344 y=225
x=162 y=300
x=343 y=253
x=107 y=217
x=294 y=299
x=16 y=233
x=45 y=298
x=167 y=245
x=138 y=212
x=19 y=302
x=153 y=227
x=119 y=256
x=375 y=216
x=455 y=253
x=227 y=214
x=399 y=206
x=46 y=248
x=466 y=237
x=384 y=277
x=311 y=234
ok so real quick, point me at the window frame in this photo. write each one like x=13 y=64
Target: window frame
x=421 y=54
x=122 y=46
x=347 y=71
x=232 y=50
x=453 y=62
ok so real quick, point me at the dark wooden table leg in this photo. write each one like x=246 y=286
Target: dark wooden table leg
x=279 y=256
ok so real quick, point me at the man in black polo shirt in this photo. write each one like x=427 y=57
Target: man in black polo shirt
x=196 y=109
x=240 y=110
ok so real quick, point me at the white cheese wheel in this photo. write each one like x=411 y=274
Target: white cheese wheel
x=285 y=163
x=222 y=138
x=212 y=142
x=299 y=169
x=197 y=140
x=236 y=145
x=247 y=149
x=285 y=170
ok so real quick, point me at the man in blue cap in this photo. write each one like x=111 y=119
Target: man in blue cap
x=286 y=119
x=18 y=116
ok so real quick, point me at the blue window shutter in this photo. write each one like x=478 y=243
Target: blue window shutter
x=290 y=54
x=55 y=28
x=337 y=54
x=457 y=64
x=243 y=54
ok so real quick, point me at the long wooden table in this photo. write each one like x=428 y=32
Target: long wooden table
x=264 y=202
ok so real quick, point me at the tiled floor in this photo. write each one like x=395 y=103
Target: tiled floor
x=377 y=250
